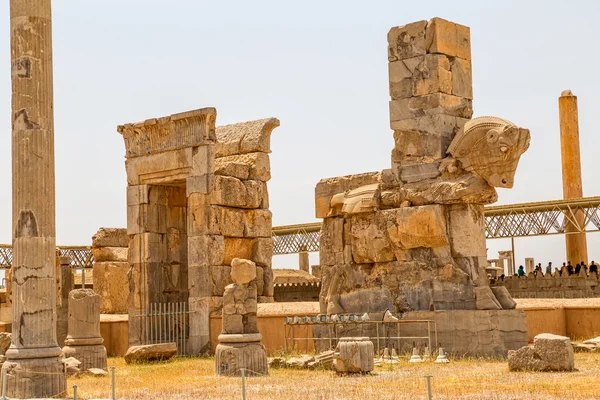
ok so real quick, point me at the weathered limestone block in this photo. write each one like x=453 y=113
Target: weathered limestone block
x=462 y=77
x=245 y=137
x=419 y=76
x=232 y=168
x=485 y=299
x=448 y=38
x=84 y=341
x=407 y=41
x=109 y=254
x=464 y=189
x=549 y=353
x=416 y=171
x=150 y=352
x=370 y=242
x=414 y=145
x=231 y=357
x=110 y=237
x=413 y=227
x=111 y=284
x=257 y=166
x=329 y=187
x=206 y=250
x=232 y=192
x=466 y=227
x=355 y=355
x=435 y=124
x=504 y=298
x=431 y=104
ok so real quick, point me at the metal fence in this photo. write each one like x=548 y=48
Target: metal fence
x=166 y=323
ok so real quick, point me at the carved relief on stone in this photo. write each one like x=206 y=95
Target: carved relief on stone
x=491 y=147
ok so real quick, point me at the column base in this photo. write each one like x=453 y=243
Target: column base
x=231 y=357
x=35 y=378
x=91 y=356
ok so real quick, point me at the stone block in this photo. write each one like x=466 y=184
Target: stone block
x=504 y=298
x=415 y=227
x=150 y=352
x=467 y=230
x=260 y=282
x=329 y=187
x=420 y=76
x=410 y=144
x=231 y=357
x=235 y=169
x=462 y=78
x=262 y=251
x=485 y=299
x=237 y=248
x=147 y=247
x=110 y=237
x=242 y=271
x=220 y=276
x=445 y=37
x=232 y=221
x=355 y=355
x=112 y=285
x=370 y=241
x=416 y=172
x=233 y=324
x=203 y=160
x=206 y=250
x=407 y=41
x=431 y=104
x=199 y=184
x=268 y=284
x=137 y=194
x=245 y=137
x=437 y=124
x=110 y=254
x=232 y=192
x=549 y=353
x=202 y=218
x=258 y=223
x=257 y=165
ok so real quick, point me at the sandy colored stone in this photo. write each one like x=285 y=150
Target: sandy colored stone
x=549 y=353
x=462 y=78
x=258 y=165
x=355 y=355
x=234 y=169
x=110 y=254
x=407 y=41
x=485 y=299
x=431 y=104
x=4 y=342
x=448 y=38
x=418 y=227
x=230 y=358
x=110 y=237
x=245 y=137
x=237 y=248
x=150 y=352
x=327 y=188
x=262 y=251
x=466 y=230
x=206 y=250
x=242 y=271
x=232 y=192
x=504 y=297
x=112 y=285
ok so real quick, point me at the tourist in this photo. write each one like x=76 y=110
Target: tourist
x=563 y=270
x=521 y=271
x=577 y=269
x=549 y=269
x=593 y=268
x=570 y=267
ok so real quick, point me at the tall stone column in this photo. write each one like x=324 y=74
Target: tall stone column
x=33 y=365
x=571 y=173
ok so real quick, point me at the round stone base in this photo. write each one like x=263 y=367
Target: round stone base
x=91 y=356
x=230 y=358
x=35 y=378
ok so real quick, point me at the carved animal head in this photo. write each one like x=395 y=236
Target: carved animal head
x=491 y=148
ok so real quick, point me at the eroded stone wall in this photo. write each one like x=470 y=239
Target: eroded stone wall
x=552 y=286
x=110 y=249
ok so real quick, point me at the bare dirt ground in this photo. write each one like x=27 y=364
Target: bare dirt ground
x=461 y=379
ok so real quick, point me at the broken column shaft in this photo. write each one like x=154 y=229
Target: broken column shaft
x=33 y=365
x=576 y=243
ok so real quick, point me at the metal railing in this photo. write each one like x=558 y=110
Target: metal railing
x=81 y=256
x=166 y=323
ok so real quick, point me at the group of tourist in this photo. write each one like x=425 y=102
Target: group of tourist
x=565 y=270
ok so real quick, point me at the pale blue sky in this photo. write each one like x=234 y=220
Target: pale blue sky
x=321 y=68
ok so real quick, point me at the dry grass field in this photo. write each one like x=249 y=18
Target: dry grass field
x=461 y=379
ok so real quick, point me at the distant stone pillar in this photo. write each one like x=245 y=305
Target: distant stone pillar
x=529 y=265
x=33 y=366
x=64 y=285
x=576 y=243
x=304 y=261
x=84 y=341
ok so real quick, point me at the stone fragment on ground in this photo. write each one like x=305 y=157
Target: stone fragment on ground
x=150 y=352
x=276 y=362
x=300 y=361
x=96 y=372
x=583 y=347
x=72 y=366
x=549 y=353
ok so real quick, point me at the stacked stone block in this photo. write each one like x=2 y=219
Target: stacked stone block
x=431 y=93
x=551 y=286
x=110 y=248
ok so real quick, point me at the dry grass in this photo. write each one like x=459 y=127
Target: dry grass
x=464 y=379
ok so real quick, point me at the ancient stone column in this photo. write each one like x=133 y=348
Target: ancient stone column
x=571 y=173
x=33 y=364
x=84 y=341
x=240 y=344
x=304 y=261
x=64 y=285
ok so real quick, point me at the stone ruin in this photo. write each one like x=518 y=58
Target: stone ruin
x=240 y=344
x=84 y=341
x=109 y=246
x=412 y=237
x=196 y=199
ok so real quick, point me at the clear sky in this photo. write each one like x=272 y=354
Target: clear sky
x=318 y=66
